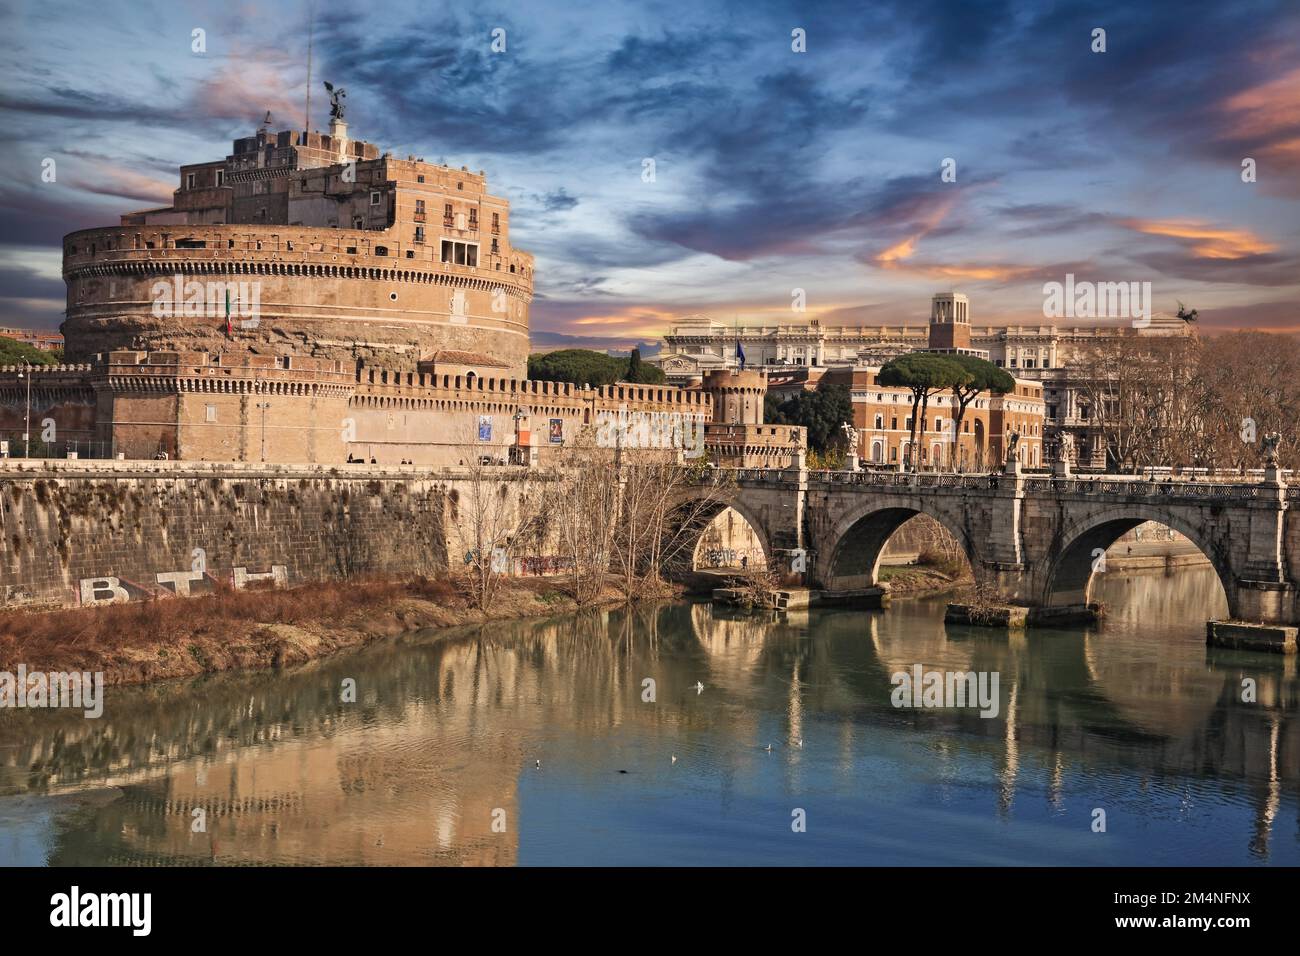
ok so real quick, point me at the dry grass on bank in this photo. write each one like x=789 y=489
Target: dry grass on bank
x=257 y=627
x=925 y=576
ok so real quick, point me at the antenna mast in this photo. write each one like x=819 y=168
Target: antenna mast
x=306 y=120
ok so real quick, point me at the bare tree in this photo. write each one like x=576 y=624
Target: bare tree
x=497 y=515
x=582 y=505
x=1139 y=392
x=666 y=506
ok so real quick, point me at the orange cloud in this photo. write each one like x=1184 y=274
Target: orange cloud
x=990 y=273
x=247 y=90
x=1208 y=242
x=127 y=183
x=904 y=249
x=1265 y=110
x=637 y=322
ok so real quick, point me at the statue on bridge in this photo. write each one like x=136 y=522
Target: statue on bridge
x=851 y=445
x=1013 y=445
x=1269 y=448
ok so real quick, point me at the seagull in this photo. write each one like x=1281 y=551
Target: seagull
x=674 y=758
x=800 y=743
x=539 y=765
x=699 y=687
x=768 y=748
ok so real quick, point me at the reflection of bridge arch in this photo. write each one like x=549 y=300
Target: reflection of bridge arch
x=1160 y=695
x=858 y=541
x=1069 y=575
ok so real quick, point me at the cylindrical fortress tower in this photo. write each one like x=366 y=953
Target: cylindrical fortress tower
x=307 y=246
x=737 y=396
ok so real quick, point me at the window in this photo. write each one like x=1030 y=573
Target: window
x=460 y=185
x=210 y=413
x=938 y=424
x=495 y=248
x=189 y=180
x=358 y=222
x=496 y=222
x=374 y=198
x=473 y=218
x=460 y=253
x=419 y=234
x=419 y=207
x=880 y=421
x=420 y=178
x=893 y=424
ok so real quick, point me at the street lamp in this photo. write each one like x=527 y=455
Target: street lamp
x=27 y=426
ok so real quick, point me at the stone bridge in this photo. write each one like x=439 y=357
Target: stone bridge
x=1037 y=539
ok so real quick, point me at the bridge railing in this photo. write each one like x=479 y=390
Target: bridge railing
x=1128 y=487
x=1100 y=485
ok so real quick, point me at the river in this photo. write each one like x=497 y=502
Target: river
x=436 y=761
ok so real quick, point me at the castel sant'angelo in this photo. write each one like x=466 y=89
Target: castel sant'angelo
x=310 y=299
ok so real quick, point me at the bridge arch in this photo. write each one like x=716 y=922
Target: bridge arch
x=692 y=518
x=857 y=542
x=1070 y=573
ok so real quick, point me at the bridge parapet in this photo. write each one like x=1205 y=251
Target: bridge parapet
x=1121 y=486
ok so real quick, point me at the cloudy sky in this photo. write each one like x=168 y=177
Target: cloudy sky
x=774 y=170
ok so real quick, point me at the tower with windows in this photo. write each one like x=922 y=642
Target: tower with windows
x=949 y=321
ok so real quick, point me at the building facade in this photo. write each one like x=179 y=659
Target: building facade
x=882 y=420
x=45 y=341
x=798 y=354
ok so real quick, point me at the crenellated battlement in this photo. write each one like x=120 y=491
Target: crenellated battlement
x=376 y=385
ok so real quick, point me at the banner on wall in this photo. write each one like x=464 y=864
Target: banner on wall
x=485 y=428
x=557 y=431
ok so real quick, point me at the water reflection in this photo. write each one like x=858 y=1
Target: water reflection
x=1135 y=717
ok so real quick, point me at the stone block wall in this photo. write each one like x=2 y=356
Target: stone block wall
x=78 y=532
